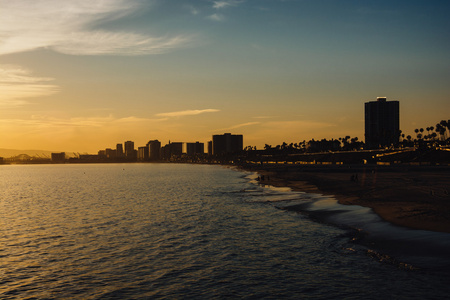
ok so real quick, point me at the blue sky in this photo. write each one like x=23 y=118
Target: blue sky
x=85 y=75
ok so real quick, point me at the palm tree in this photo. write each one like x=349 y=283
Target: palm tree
x=440 y=129
x=303 y=144
x=444 y=125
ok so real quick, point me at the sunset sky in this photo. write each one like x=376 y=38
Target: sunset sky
x=85 y=75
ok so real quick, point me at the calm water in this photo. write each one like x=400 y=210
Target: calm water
x=196 y=231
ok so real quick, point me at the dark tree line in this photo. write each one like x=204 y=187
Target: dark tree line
x=312 y=146
x=435 y=136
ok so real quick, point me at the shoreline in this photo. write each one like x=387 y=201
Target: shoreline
x=415 y=197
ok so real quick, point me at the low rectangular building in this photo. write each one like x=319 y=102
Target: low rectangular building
x=195 y=148
x=227 y=143
x=143 y=153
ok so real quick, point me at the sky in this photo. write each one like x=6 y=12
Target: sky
x=85 y=75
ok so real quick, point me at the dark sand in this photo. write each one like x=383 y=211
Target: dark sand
x=410 y=196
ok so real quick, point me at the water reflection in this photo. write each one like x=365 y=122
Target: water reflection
x=180 y=231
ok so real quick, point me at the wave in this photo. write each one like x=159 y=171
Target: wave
x=406 y=248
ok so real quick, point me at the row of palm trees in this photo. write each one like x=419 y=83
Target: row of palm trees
x=433 y=132
x=346 y=143
x=435 y=135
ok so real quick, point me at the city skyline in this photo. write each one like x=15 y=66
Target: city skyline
x=78 y=76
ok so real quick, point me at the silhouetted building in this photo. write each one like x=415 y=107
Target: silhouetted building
x=195 y=148
x=143 y=153
x=154 y=150
x=382 y=121
x=111 y=154
x=58 y=157
x=102 y=154
x=176 y=149
x=227 y=143
x=130 y=153
x=172 y=150
x=164 y=152
x=210 y=151
x=119 y=150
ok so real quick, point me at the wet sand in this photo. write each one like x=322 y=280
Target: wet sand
x=410 y=196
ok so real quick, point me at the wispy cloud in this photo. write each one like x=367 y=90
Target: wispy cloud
x=67 y=27
x=298 y=125
x=192 y=9
x=239 y=126
x=101 y=42
x=40 y=122
x=82 y=133
x=216 y=17
x=17 y=83
x=220 y=5
x=265 y=117
x=43 y=121
x=225 y=3
x=187 y=112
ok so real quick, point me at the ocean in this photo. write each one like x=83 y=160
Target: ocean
x=181 y=231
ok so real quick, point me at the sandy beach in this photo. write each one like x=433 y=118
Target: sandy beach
x=410 y=196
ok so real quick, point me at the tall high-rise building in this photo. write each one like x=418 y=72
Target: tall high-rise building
x=119 y=150
x=382 y=122
x=227 y=143
x=130 y=153
x=154 y=147
x=210 y=151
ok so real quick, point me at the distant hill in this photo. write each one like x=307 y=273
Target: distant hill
x=14 y=152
